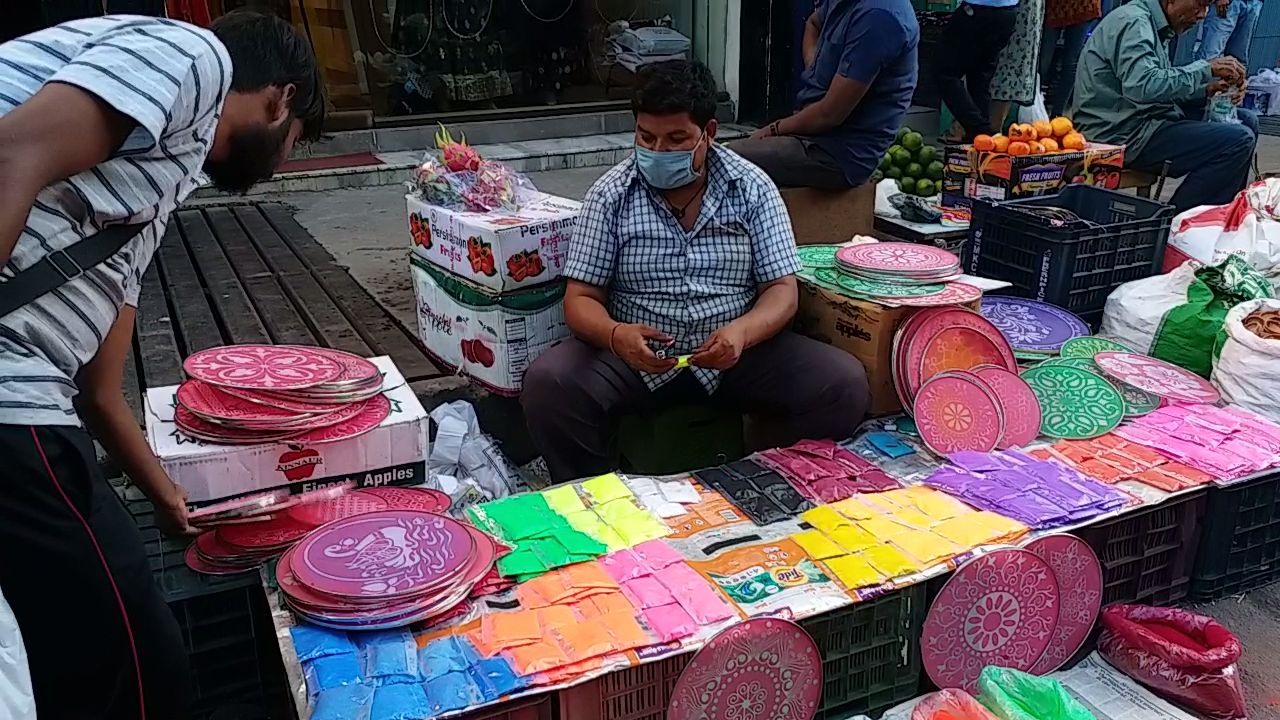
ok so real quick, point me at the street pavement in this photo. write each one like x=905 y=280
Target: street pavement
x=365 y=229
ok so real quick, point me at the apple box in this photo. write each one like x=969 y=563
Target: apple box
x=497 y=250
x=970 y=173
x=394 y=453
x=489 y=338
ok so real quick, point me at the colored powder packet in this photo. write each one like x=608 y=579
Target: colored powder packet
x=350 y=702
x=549 y=550
x=564 y=499
x=657 y=554
x=670 y=622
x=312 y=641
x=521 y=563
x=889 y=560
x=853 y=539
x=401 y=702
x=388 y=656
x=817 y=545
x=580 y=641
x=536 y=657
x=824 y=518
x=853 y=571
x=452 y=691
x=332 y=671
x=606 y=487
x=443 y=656
x=646 y=592
x=495 y=678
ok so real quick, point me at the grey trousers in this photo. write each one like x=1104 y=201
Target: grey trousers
x=574 y=394
x=793 y=161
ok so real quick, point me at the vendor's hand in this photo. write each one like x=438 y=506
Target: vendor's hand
x=1229 y=69
x=171 y=513
x=631 y=343
x=722 y=350
x=762 y=133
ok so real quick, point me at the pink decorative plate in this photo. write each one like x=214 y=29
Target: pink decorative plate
x=356 y=370
x=200 y=429
x=387 y=554
x=759 y=669
x=357 y=502
x=956 y=411
x=208 y=401
x=204 y=567
x=372 y=412
x=1157 y=377
x=951 y=339
x=424 y=499
x=266 y=398
x=262 y=367
x=897 y=256
x=997 y=609
x=240 y=507
x=1019 y=403
x=266 y=536
x=955 y=293
x=1079 y=578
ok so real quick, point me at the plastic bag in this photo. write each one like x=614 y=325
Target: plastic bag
x=950 y=705
x=1176 y=316
x=1037 y=110
x=1189 y=658
x=1248 y=367
x=465 y=462
x=388 y=656
x=1221 y=108
x=349 y=702
x=1015 y=695
x=1248 y=226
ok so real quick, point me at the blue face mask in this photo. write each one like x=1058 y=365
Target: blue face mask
x=669 y=169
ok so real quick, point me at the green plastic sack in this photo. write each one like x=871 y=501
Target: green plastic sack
x=1014 y=695
x=1189 y=334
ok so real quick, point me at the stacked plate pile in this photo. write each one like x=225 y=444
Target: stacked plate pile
x=247 y=394
x=957 y=375
x=384 y=569
x=890 y=273
x=248 y=531
x=1036 y=330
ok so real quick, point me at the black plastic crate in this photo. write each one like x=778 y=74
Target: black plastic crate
x=1240 y=548
x=870 y=652
x=1147 y=555
x=1073 y=264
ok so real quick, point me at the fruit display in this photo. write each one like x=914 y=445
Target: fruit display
x=1038 y=138
x=916 y=167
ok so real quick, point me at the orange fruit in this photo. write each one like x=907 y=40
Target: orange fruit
x=1061 y=126
x=1018 y=147
x=1022 y=131
x=1073 y=141
x=983 y=142
x=1002 y=143
x=1044 y=128
x=1037 y=147
x=1050 y=145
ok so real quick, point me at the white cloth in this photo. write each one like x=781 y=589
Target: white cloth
x=16 y=698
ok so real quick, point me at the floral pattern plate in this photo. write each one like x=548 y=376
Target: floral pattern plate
x=958 y=411
x=997 y=609
x=1157 y=377
x=1075 y=404
x=907 y=258
x=262 y=367
x=759 y=669
x=1079 y=578
x=1019 y=403
x=1032 y=325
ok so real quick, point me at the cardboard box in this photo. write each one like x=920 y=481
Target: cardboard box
x=394 y=453
x=490 y=338
x=499 y=250
x=862 y=328
x=970 y=174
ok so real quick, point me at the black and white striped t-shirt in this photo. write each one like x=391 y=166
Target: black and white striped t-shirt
x=172 y=79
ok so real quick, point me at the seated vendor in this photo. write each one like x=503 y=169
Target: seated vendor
x=1128 y=93
x=686 y=248
x=860 y=74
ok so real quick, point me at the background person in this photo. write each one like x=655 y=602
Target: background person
x=1228 y=30
x=1068 y=21
x=971 y=43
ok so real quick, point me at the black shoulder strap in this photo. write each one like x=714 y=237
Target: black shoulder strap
x=63 y=266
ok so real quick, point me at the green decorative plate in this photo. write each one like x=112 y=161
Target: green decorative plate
x=1075 y=404
x=873 y=289
x=1087 y=347
x=817 y=256
x=1136 y=402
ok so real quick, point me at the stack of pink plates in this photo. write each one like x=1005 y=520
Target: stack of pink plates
x=246 y=394
x=248 y=531
x=384 y=569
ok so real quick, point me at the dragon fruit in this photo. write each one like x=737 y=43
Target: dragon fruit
x=456 y=154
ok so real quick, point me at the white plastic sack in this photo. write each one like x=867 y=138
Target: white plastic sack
x=1135 y=309
x=466 y=462
x=1265 y=87
x=1036 y=110
x=16 y=698
x=1249 y=227
x=1248 y=369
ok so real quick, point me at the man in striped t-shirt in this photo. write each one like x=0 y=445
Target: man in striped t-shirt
x=106 y=122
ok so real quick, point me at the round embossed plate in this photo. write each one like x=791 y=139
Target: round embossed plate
x=907 y=258
x=424 y=499
x=997 y=609
x=1019 y=403
x=356 y=371
x=892 y=291
x=953 y=293
x=386 y=554
x=1136 y=402
x=1157 y=377
x=347 y=505
x=957 y=411
x=207 y=401
x=1079 y=576
x=276 y=533
x=1075 y=404
x=817 y=256
x=262 y=367
x=945 y=339
x=1087 y=347
x=309 y=407
x=1031 y=324
x=371 y=414
x=193 y=560
x=759 y=668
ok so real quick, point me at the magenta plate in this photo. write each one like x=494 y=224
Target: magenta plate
x=957 y=411
x=897 y=256
x=373 y=412
x=1157 y=377
x=204 y=567
x=208 y=401
x=262 y=367
x=758 y=668
x=1079 y=577
x=310 y=407
x=1018 y=400
x=384 y=554
x=347 y=505
x=997 y=609
x=262 y=537
x=425 y=499
x=241 y=507
x=955 y=293
x=355 y=369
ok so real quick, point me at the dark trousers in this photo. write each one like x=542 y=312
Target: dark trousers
x=574 y=395
x=792 y=161
x=967 y=53
x=1215 y=158
x=100 y=639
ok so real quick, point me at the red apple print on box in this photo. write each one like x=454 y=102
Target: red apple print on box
x=298 y=463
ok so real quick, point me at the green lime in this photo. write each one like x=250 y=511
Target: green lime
x=902 y=132
x=885 y=162
x=913 y=141
x=925 y=187
x=914 y=170
x=893 y=173
x=901 y=156
x=907 y=185
x=934 y=171
x=927 y=154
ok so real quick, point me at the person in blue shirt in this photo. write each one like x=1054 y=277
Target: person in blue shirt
x=860 y=74
x=968 y=52
x=1229 y=30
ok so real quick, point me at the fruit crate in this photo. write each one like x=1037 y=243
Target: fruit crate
x=638 y=693
x=1072 y=264
x=1240 y=547
x=1147 y=555
x=870 y=653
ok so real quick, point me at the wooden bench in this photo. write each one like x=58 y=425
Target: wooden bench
x=1143 y=183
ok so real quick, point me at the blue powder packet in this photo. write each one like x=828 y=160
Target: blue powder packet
x=452 y=691
x=495 y=678
x=389 y=656
x=407 y=701
x=311 y=642
x=331 y=672
x=442 y=656
x=353 y=702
